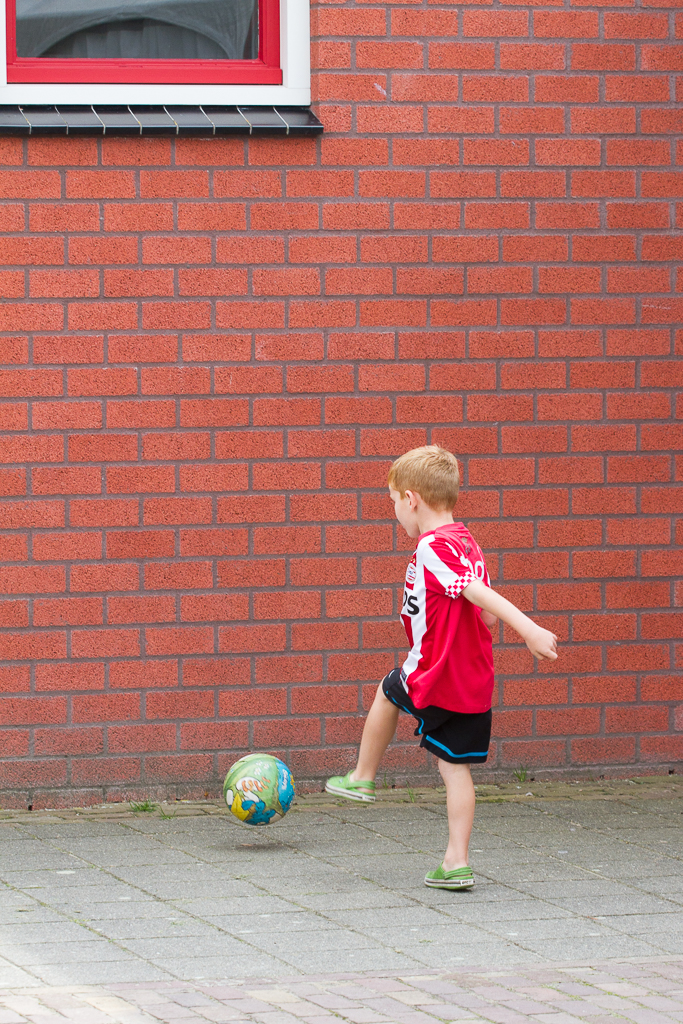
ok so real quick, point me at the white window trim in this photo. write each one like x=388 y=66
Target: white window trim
x=295 y=91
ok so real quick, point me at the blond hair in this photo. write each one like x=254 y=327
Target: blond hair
x=431 y=472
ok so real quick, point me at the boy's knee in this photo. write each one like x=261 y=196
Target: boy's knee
x=447 y=768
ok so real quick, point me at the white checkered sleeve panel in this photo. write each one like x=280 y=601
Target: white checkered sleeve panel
x=453 y=583
x=459 y=583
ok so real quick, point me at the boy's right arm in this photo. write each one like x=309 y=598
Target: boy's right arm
x=541 y=642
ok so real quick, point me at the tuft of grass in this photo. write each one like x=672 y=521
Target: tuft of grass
x=144 y=807
x=521 y=773
x=411 y=795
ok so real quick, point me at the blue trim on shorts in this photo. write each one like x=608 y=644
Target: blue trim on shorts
x=471 y=753
x=412 y=713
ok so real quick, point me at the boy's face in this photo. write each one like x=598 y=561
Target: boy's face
x=406 y=511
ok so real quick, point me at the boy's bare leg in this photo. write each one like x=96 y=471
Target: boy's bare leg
x=460 y=807
x=378 y=732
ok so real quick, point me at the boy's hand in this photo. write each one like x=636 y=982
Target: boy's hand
x=541 y=642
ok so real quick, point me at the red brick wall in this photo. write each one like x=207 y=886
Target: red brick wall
x=214 y=348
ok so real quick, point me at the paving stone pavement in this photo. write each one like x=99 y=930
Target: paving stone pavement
x=109 y=915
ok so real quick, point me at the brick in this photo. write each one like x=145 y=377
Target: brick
x=497 y=215
x=532 y=56
x=174 y=315
x=533 y=752
x=62 y=283
x=539 y=502
x=459 y=314
x=231 y=347
x=567 y=721
x=533 y=439
x=661 y=184
x=603 y=751
x=176 y=446
x=659 y=688
x=15 y=515
x=69 y=741
x=640 y=469
x=542 y=183
x=603 y=57
x=635 y=26
x=622 y=531
x=531 y=311
x=213 y=735
x=53 y=217
x=568 y=152
x=565 y=24
x=460 y=184
x=641 y=152
x=320 y=379
x=140 y=544
x=67 y=546
x=105 y=707
x=256 y=508
x=67 y=480
x=143 y=674
x=20 y=383
x=499 y=280
x=214 y=412
x=566 y=89
x=12 y=481
x=14 y=415
x=636 y=594
x=283 y=411
x=14 y=614
x=289 y=347
x=460 y=119
x=238 y=702
x=322 y=314
x=578 y=469
x=661 y=748
x=534 y=121
x=158 y=348
x=493 y=472
x=279 y=606
x=376 y=345
x=30 y=185
x=495 y=23
x=431 y=344
x=661 y=58
x=132 y=610
x=96 y=578
x=478 y=88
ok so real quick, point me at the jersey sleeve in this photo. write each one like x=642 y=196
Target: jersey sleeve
x=447 y=571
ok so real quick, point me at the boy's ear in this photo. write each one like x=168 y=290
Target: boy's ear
x=413 y=498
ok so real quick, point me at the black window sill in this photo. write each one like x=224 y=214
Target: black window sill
x=158 y=120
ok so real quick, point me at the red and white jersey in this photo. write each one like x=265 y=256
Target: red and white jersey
x=450 y=664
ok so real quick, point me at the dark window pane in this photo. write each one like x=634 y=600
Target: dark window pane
x=138 y=29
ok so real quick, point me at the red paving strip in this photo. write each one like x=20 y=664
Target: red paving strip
x=646 y=991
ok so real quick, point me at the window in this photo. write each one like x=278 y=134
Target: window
x=206 y=51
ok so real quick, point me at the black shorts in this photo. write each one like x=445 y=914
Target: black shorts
x=451 y=735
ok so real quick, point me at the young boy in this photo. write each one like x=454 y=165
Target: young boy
x=446 y=682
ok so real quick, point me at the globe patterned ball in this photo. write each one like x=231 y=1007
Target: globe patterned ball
x=259 y=789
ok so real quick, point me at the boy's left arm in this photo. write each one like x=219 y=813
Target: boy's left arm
x=541 y=642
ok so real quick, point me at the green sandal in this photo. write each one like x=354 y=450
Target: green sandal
x=460 y=878
x=342 y=785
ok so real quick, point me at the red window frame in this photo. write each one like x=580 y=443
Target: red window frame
x=264 y=70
